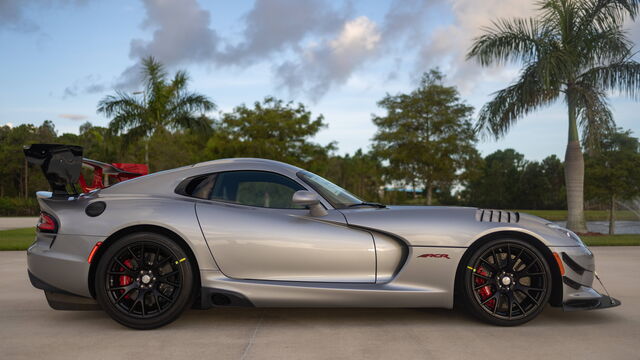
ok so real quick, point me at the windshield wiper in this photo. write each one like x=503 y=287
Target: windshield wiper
x=366 y=203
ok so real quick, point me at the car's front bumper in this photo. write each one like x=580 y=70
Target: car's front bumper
x=577 y=281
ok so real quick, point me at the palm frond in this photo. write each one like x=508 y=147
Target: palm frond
x=509 y=104
x=509 y=41
x=593 y=113
x=601 y=14
x=623 y=77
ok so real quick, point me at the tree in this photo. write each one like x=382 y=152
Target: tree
x=574 y=49
x=360 y=173
x=614 y=171
x=271 y=129
x=496 y=184
x=426 y=136
x=162 y=105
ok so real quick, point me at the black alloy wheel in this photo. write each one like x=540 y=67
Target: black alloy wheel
x=144 y=281
x=507 y=282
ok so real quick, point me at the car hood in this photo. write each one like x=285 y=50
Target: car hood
x=449 y=226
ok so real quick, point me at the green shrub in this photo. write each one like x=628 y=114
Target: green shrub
x=10 y=206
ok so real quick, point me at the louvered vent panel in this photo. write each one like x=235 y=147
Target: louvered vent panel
x=503 y=216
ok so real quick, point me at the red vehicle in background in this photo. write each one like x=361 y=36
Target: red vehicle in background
x=107 y=174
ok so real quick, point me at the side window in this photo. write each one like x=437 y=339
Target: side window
x=199 y=187
x=255 y=188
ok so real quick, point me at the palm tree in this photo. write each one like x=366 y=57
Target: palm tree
x=576 y=50
x=163 y=106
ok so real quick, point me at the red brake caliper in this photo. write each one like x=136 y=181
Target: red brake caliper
x=485 y=291
x=125 y=280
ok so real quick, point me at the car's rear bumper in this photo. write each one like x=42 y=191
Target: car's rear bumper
x=60 y=261
x=60 y=299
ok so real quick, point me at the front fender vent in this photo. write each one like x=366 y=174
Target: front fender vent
x=503 y=216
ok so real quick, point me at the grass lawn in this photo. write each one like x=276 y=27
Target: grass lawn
x=20 y=239
x=17 y=239
x=612 y=240
x=591 y=215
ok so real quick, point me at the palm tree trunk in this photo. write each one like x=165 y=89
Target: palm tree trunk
x=146 y=152
x=612 y=216
x=429 y=194
x=574 y=174
x=26 y=178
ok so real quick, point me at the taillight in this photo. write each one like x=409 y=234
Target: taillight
x=47 y=223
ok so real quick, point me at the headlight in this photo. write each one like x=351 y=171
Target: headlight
x=566 y=232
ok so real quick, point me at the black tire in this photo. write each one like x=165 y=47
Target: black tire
x=506 y=293
x=144 y=281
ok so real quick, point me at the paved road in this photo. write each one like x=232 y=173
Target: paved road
x=7 y=223
x=29 y=329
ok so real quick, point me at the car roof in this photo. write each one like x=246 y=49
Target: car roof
x=165 y=182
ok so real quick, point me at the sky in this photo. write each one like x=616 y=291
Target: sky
x=58 y=58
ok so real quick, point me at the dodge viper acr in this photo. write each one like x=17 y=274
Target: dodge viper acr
x=256 y=232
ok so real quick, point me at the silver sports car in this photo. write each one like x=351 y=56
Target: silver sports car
x=256 y=232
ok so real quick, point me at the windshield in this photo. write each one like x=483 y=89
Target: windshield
x=337 y=196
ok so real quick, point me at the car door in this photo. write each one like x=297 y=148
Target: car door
x=256 y=233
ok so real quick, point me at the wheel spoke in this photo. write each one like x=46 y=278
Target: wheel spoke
x=490 y=265
x=498 y=303
x=527 y=288
x=530 y=297
x=531 y=274
x=132 y=252
x=535 y=261
x=155 y=298
x=163 y=277
x=522 y=312
x=510 y=298
x=515 y=260
x=121 y=297
x=489 y=299
x=157 y=256
x=496 y=259
x=163 y=296
x=482 y=276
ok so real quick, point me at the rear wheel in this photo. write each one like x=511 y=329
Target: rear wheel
x=506 y=282
x=144 y=280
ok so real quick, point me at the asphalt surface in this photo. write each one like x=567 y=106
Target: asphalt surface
x=7 y=223
x=29 y=329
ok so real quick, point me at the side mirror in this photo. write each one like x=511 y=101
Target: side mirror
x=307 y=198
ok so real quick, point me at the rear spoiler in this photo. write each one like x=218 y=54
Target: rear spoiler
x=62 y=165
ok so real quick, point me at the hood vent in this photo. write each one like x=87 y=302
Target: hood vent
x=503 y=216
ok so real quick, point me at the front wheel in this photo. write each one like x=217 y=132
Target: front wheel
x=506 y=282
x=144 y=281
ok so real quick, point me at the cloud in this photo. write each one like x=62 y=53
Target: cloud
x=267 y=31
x=14 y=13
x=447 y=45
x=332 y=61
x=90 y=84
x=181 y=35
x=75 y=117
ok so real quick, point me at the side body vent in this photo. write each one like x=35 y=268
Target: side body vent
x=488 y=215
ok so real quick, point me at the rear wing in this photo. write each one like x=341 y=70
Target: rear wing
x=62 y=166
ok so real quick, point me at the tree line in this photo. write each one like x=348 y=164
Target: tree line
x=424 y=151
